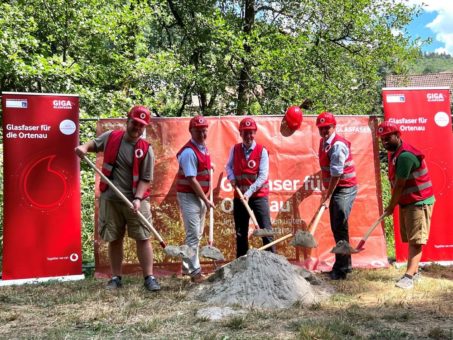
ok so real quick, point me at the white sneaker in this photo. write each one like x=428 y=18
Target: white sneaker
x=405 y=283
x=417 y=277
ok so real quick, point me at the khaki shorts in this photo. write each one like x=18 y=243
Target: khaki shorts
x=415 y=221
x=115 y=215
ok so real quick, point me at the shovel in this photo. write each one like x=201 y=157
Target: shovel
x=304 y=238
x=344 y=248
x=210 y=251
x=258 y=231
x=175 y=251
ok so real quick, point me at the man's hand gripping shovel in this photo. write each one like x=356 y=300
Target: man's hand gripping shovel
x=175 y=251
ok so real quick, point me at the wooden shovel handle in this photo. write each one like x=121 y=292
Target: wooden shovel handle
x=315 y=221
x=250 y=211
x=125 y=200
x=275 y=242
x=211 y=210
x=375 y=224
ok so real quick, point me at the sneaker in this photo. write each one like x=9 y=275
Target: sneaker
x=405 y=283
x=151 y=284
x=114 y=283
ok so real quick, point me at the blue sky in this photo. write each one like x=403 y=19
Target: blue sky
x=435 y=22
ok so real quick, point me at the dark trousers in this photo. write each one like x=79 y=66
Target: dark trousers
x=339 y=208
x=260 y=207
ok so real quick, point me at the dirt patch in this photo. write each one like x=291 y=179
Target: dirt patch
x=261 y=280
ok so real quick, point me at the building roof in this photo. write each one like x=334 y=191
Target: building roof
x=420 y=80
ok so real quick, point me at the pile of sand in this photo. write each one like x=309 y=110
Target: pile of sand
x=261 y=279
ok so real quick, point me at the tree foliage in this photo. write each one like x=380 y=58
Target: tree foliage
x=229 y=56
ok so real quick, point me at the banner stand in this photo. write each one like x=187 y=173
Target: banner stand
x=4 y=283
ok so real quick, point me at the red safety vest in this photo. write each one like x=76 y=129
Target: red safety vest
x=418 y=186
x=246 y=171
x=348 y=178
x=203 y=168
x=112 y=147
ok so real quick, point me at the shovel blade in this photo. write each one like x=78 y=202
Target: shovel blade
x=179 y=251
x=263 y=233
x=213 y=253
x=304 y=239
x=344 y=248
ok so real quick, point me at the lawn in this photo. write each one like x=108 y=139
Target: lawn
x=365 y=306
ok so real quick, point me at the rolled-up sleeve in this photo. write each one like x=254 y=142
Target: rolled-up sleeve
x=338 y=155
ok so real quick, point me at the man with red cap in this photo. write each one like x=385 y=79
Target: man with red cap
x=129 y=164
x=340 y=184
x=192 y=186
x=412 y=190
x=248 y=168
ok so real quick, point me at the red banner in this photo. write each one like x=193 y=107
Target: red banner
x=424 y=118
x=294 y=188
x=41 y=222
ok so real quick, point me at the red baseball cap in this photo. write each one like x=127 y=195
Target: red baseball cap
x=291 y=121
x=247 y=124
x=140 y=114
x=198 y=122
x=386 y=128
x=325 y=119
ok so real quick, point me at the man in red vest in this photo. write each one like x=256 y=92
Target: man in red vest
x=340 y=184
x=248 y=168
x=129 y=164
x=192 y=186
x=412 y=190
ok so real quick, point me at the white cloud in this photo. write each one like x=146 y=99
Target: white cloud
x=442 y=25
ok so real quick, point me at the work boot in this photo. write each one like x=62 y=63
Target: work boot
x=151 y=284
x=337 y=275
x=197 y=278
x=114 y=283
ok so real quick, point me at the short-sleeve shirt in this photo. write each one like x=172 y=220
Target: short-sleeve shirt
x=122 y=171
x=406 y=163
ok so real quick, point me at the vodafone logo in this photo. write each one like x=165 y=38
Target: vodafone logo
x=435 y=97
x=251 y=164
x=380 y=130
x=322 y=120
x=138 y=153
x=142 y=115
x=73 y=257
x=62 y=104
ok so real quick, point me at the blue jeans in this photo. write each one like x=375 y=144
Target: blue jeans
x=339 y=208
x=260 y=206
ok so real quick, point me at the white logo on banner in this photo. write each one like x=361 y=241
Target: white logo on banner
x=395 y=98
x=67 y=127
x=441 y=119
x=16 y=103
x=73 y=257
x=62 y=104
x=435 y=97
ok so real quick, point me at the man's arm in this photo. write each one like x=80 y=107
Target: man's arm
x=229 y=167
x=396 y=194
x=83 y=149
x=338 y=155
x=199 y=191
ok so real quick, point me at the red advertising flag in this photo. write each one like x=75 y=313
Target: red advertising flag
x=294 y=183
x=424 y=118
x=41 y=221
